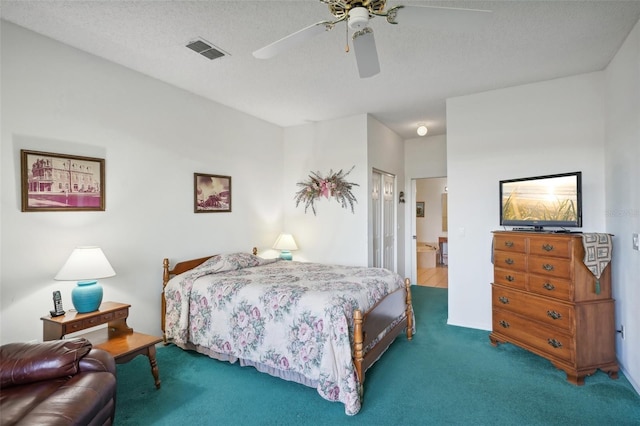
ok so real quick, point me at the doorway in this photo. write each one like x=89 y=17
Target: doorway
x=430 y=232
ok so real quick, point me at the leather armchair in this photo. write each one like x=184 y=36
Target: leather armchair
x=59 y=382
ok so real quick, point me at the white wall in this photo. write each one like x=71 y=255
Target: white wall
x=334 y=234
x=424 y=157
x=385 y=152
x=622 y=164
x=153 y=138
x=544 y=128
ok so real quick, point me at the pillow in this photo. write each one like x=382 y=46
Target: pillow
x=231 y=262
x=22 y=363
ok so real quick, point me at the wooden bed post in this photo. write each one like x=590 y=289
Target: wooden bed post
x=407 y=284
x=163 y=310
x=358 y=353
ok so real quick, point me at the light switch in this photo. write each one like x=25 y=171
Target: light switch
x=636 y=242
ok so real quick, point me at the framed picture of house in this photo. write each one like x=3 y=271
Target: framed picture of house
x=419 y=208
x=212 y=193
x=61 y=182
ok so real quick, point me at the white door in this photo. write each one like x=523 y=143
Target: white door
x=383 y=220
x=376 y=214
x=389 y=223
x=412 y=215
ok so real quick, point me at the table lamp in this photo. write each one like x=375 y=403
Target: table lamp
x=86 y=264
x=285 y=243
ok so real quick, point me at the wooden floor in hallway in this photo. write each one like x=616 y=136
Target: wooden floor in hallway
x=434 y=277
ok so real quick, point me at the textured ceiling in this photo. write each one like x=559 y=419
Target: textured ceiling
x=421 y=66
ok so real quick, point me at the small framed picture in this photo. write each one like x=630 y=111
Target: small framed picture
x=212 y=193
x=419 y=208
x=60 y=182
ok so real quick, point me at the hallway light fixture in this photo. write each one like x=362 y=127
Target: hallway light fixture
x=422 y=129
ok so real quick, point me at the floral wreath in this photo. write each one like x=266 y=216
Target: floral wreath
x=334 y=185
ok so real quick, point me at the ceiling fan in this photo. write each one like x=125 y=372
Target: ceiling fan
x=357 y=14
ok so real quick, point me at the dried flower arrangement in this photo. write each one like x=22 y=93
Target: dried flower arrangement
x=333 y=185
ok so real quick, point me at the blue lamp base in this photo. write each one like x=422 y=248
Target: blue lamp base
x=86 y=296
x=286 y=255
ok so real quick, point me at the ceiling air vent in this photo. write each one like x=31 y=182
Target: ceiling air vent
x=206 y=49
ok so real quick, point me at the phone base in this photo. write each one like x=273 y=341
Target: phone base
x=56 y=314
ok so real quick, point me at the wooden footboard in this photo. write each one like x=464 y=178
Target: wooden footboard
x=366 y=328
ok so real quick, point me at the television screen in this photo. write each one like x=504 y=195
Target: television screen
x=539 y=201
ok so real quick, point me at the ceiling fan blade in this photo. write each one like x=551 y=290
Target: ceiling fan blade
x=293 y=40
x=364 y=46
x=439 y=17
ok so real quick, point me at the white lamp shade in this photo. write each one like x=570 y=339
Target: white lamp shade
x=85 y=263
x=285 y=242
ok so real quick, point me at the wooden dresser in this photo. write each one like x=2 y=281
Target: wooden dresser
x=544 y=300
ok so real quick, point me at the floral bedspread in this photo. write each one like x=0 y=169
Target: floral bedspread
x=291 y=318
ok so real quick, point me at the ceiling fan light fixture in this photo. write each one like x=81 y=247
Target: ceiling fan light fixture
x=358 y=18
x=422 y=130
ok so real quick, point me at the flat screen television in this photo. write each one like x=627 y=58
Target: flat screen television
x=534 y=203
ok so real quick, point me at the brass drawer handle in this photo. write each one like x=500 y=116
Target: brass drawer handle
x=510 y=278
x=504 y=324
x=503 y=300
x=547 y=267
x=508 y=244
x=508 y=261
x=553 y=314
x=547 y=247
x=555 y=343
x=549 y=286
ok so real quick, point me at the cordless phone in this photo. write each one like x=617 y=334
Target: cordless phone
x=57 y=305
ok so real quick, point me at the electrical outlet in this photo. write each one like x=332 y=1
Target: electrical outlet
x=636 y=242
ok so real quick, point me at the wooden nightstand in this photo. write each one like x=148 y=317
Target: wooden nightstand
x=117 y=338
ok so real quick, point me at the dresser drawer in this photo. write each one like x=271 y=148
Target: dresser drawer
x=509 y=243
x=547 y=246
x=91 y=322
x=74 y=326
x=511 y=261
x=549 y=340
x=509 y=278
x=536 y=308
x=551 y=287
x=551 y=266
x=121 y=313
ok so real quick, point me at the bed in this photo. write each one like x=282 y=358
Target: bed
x=319 y=325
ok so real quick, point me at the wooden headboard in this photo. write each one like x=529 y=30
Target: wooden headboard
x=179 y=268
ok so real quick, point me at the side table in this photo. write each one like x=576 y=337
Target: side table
x=117 y=338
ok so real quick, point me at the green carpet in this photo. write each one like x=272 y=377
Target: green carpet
x=446 y=375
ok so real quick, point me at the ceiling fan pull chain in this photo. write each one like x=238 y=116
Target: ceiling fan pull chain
x=346 y=47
